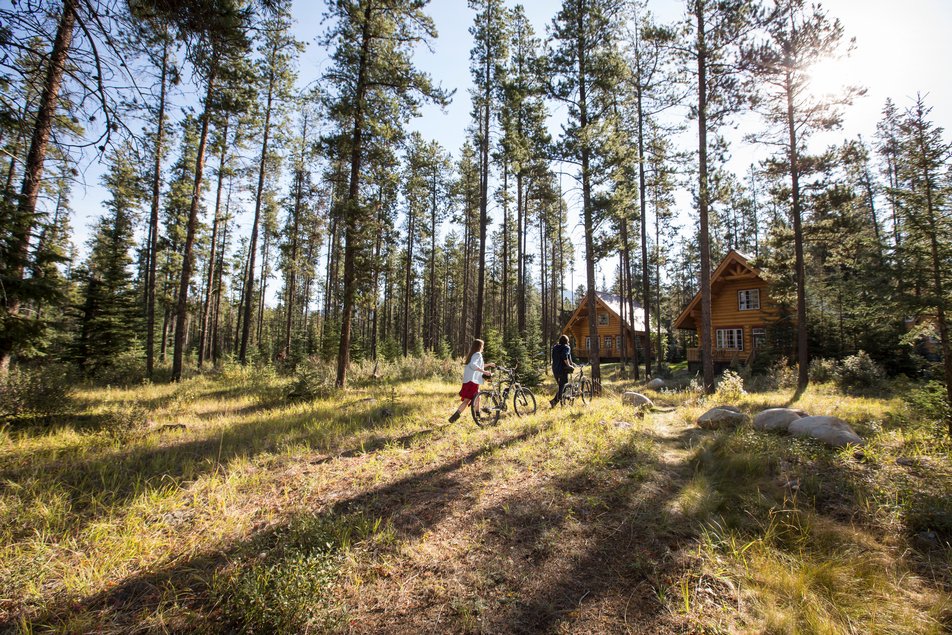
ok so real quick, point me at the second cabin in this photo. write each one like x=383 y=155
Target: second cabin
x=741 y=311
x=617 y=337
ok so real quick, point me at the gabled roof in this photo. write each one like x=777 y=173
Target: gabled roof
x=732 y=257
x=613 y=303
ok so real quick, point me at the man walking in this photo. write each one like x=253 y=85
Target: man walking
x=561 y=366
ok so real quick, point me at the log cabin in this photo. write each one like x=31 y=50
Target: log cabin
x=609 y=325
x=741 y=311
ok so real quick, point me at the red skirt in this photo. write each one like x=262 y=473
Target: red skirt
x=469 y=391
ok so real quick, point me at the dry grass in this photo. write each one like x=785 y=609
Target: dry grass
x=366 y=512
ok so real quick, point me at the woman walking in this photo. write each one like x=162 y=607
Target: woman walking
x=473 y=376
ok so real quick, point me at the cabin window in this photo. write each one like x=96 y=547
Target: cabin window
x=608 y=342
x=759 y=337
x=730 y=339
x=618 y=342
x=588 y=342
x=748 y=299
x=603 y=319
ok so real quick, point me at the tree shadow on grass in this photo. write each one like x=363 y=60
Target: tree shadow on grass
x=411 y=505
x=614 y=533
x=104 y=480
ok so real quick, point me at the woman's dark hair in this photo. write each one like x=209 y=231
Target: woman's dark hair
x=564 y=339
x=475 y=348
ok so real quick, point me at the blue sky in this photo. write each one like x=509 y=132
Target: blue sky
x=901 y=49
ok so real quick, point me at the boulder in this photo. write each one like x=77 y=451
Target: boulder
x=717 y=418
x=655 y=384
x=777 y=419
x=636 y=399
x=832 y=431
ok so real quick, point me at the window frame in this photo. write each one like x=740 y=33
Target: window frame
x=751 y=294
x=736 y=337
x=588 y=342
x=607 y=343
x=758 y=332
x=603 y=314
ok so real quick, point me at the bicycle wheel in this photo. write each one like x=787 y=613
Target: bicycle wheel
x=585 y=390
x=487 y=414
x=524 y=402
x=568 y=395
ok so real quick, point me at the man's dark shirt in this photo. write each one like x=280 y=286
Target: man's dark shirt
x=561 y=359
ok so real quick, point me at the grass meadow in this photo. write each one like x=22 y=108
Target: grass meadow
x=220 y=505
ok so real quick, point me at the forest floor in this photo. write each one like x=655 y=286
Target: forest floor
x=231 y=509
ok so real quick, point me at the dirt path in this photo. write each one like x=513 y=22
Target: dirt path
x=492 y=542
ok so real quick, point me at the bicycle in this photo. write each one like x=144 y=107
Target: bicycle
x=487 y=412
x=578 y=387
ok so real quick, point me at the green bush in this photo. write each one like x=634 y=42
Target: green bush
x=122 y=418
x=823 y=370
x=286 y=586
x=730 y=386
x=929 y=401
x=858 y=372
x=313 y=379
x=36 y=392
x=124 y=369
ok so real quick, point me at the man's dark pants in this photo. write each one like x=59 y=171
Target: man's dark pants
x=562 y=379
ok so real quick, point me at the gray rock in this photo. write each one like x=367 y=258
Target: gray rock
x=832 y=431
x=730 y=408
x=636 y=399
x=717 y=418
x=777 y=419
x=655 y=384
x=907 y=462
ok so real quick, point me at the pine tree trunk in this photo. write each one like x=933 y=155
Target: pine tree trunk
x=351 y=230
x=265 y=274
x=292 y=267
x=33 y=171
x=544 y=330
x=803 y=355
x=504 y=313
x=484 y=181
x=206 y=305
x=643 y=190
x=253 y=244
x=219 y=273
x=407 y=283
x=707 y=360
x=154 y=218
x=588 y=213
x=520 y=258
x=188 y=258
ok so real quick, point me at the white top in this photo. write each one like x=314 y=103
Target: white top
x=472 y=372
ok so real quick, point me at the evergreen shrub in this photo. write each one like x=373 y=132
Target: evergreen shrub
x=730 y=386
x=858 y=372
x=42 y=391
x=823 y=370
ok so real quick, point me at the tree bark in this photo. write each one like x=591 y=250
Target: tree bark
x=351 y=229
x=803 y=354
x=707 y=360
x=642 y=191
x=253 y=244
x=188 y=257
x=206 y=305
x=33 y=170
x=587 y=211
x=154 y=217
